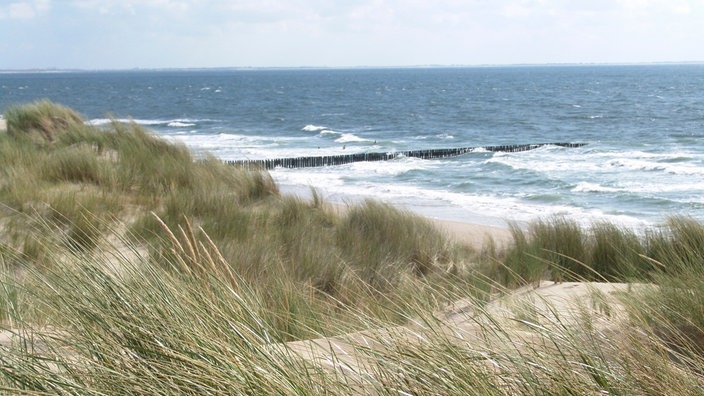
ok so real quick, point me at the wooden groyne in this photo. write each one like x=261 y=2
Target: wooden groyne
x=331 y=160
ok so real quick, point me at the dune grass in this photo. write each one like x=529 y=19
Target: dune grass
x=560 y=249
x=84 y=181
x=129 y=267
x=127 y=324
x=41 y=122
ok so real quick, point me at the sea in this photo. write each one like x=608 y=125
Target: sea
x=643 y=125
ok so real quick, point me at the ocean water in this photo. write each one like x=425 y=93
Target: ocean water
x=644 y=126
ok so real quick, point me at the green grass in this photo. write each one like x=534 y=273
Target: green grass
x=560 y=249
x=41 y=122
x=142 y=327
x=84 y=181
x=127 y=266
x=389 y=241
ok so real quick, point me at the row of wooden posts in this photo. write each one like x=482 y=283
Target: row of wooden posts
x=330 y=160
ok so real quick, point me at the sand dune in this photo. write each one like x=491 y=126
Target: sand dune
x=523 y=321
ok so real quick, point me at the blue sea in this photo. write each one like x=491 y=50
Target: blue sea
x=644 y=125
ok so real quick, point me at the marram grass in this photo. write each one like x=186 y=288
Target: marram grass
x=127 y=266
x=41 y=122
x=121 y=323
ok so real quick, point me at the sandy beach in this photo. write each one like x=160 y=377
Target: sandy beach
x=475 y=235
x=3 y=124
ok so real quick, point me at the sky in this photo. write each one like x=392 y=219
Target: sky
x=126 y=34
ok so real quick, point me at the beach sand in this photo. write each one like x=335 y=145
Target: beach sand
x=476 y=235
x=3 y=125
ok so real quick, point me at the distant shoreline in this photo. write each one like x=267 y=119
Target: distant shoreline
x=360 y=67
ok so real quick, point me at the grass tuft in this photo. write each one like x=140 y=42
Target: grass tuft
x=41 y=122
x=383 y=242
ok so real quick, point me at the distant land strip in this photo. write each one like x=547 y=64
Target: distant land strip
x=341 y=159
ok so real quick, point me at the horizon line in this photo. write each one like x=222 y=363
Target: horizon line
x=320 y=67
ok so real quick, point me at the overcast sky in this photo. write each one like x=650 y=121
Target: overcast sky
x=117 y=34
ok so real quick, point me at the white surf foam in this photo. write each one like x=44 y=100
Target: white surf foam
x=440 y=136
x=682 y=169
x=550 y=160
x=349 y=138
x=593 y=187
x=313 y=128
x=544 y=162
x=655 y=187
x=179 y=124
x=395 y=167
x=98 y=121
x=351 y=183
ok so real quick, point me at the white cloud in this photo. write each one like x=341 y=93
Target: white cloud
x=24 y=9
x=173 y=33
x=658 y=8
x=133 y=7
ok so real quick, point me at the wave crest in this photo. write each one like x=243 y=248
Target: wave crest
x=313 y=128
x=350 y=137
x=593 y=187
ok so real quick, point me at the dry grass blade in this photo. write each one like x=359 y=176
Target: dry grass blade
x=176 y=246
